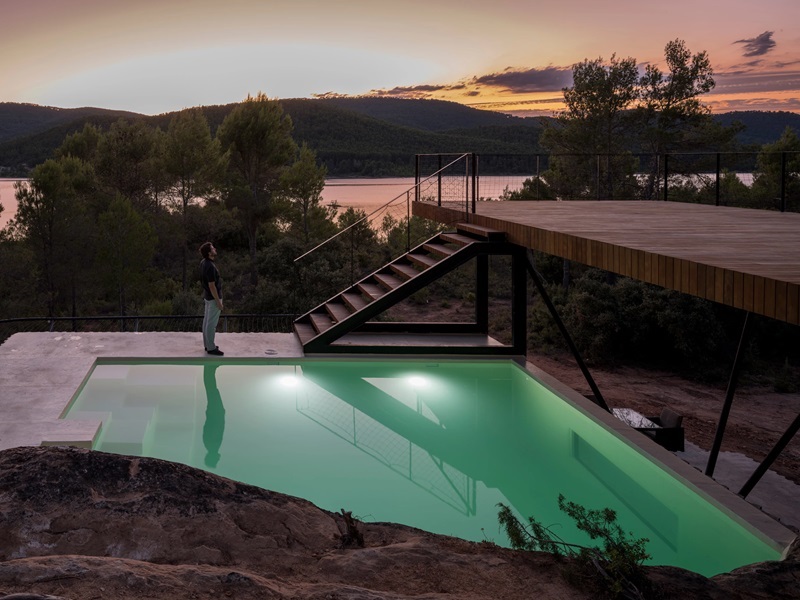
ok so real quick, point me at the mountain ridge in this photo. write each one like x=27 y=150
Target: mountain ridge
x=352 y=135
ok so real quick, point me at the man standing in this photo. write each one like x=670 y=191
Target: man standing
x=212 y=293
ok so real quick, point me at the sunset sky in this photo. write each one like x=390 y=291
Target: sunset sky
x=154 y=56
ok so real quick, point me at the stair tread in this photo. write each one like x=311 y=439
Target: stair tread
x=423 y=259
x=338 y=311
x=406 y=271
x=387 y=281
x=354 y=301
x=320 y=321
x=372 y=290
x=457 y=238
x=439 y=249
x=487 y=233
x=304 y=331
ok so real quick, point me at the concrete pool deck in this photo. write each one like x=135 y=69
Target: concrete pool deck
x=40 y=373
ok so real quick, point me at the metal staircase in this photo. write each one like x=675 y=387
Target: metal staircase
x=344 y=323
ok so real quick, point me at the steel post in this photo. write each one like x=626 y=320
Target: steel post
x=474 y=160
x=726 y=407
x=408 y=220
x=482 y=292
x=439 y=181
x=599 y=400
x=416 y=178
x=770 y=458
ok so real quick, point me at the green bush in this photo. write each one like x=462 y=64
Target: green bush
x=617 y=558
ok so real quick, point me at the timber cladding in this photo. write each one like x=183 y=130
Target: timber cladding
x=745 y=258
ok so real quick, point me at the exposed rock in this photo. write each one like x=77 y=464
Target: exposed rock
x=78 y=524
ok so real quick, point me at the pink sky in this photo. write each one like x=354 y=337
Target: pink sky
x=154 y=56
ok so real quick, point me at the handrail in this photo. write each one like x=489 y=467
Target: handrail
x=380 y=208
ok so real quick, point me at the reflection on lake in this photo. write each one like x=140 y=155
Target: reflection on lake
x=370 y=194
x=8 y=200
x=364 y=194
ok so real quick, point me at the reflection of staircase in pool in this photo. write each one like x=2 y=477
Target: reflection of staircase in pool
x=397 y=453
x=478 y=446
x=344 y=323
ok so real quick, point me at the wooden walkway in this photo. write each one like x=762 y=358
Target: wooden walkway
x=748 y=259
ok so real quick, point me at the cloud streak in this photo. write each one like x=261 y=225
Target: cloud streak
x=759 y=45
x=757 y=82
x=417 y=91
x=510 y=81
x=548 y=79
x=537 y=91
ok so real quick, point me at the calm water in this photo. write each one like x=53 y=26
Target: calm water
x=435 y=445
x=8 y=200
x=364 y=194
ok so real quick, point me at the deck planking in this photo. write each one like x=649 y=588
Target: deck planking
x=745 y=258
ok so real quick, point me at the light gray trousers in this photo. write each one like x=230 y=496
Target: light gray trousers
x=210 y=320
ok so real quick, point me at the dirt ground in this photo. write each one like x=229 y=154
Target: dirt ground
x=759 y=416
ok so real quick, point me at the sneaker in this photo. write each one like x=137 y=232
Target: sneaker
x=216 y=352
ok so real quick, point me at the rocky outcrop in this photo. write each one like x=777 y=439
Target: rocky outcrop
x=81 y=524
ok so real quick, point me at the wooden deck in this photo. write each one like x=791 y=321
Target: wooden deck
x=748 y=259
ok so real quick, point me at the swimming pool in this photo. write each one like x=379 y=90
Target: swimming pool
x=432 y=444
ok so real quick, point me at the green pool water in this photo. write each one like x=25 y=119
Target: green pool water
x=435 y=445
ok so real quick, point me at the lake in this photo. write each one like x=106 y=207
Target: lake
x=8 y=200
x=364 y=194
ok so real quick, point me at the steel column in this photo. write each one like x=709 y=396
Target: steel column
x=726 y=408
x=519 y=303
x=599 y=400
x=770 y=458
x=482 y=292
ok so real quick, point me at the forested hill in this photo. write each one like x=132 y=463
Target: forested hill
x=352 y=136
x=761 y=127
x=430 y=115
x=22 y=120
x=346 y=141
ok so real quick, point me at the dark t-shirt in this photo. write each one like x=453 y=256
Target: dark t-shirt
x=209 y=272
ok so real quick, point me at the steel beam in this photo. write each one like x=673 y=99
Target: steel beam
x=726 y=407
x=598 y=397
x=770 y=458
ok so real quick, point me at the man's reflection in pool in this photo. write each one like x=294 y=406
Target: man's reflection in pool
x=214 y=427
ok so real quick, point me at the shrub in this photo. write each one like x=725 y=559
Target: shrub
x=618 y=559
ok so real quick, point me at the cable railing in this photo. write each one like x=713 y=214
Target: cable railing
x=748 y=179
x=382 y=210
x=245 y=323
x=350 y=254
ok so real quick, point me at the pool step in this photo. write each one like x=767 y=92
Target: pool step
x=355 y=306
